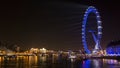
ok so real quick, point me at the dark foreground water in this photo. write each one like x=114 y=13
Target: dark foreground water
x=56 y=62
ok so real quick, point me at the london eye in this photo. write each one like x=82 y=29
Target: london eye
x=91 y=30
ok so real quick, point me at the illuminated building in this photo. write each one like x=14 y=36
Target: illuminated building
x=34 y=50
x=113 y=48
x=43 y=50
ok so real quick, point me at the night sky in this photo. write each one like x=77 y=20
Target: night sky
x=54 y=24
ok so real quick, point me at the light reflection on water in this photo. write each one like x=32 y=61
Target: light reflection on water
x=56 y=62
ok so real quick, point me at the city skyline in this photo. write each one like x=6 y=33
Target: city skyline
x=54 y=24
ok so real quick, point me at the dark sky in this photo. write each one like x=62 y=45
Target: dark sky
x=54 y=24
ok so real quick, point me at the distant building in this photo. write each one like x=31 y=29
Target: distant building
x=34 y=50
x=113 y=48
x=43 y=50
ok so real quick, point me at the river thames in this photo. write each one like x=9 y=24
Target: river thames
x=56 y=62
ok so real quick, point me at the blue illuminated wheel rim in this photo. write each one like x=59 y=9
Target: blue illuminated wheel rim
x=89 y=10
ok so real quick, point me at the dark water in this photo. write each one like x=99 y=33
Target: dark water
x=56 y=62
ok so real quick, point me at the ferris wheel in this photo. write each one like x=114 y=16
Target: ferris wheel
x=94 y=30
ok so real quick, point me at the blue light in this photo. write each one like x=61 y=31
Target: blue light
x=86 y=64
x=113 y=49
x=89 y=10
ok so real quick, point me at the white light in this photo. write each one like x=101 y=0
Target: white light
x=91 y=7
x=43 y=49
x=86 y=12
x=83 y=37
x=99 y=21
x=99 y=26
x=98 y=16
x=82 y=33
x=83 y=40
x=82 y=29
x=85 y=15
x=99 y=32
x=83 y=25
x=96 y=12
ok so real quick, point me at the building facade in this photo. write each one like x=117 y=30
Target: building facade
x=113 y=48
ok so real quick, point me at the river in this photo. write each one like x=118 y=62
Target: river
x=56 y=62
